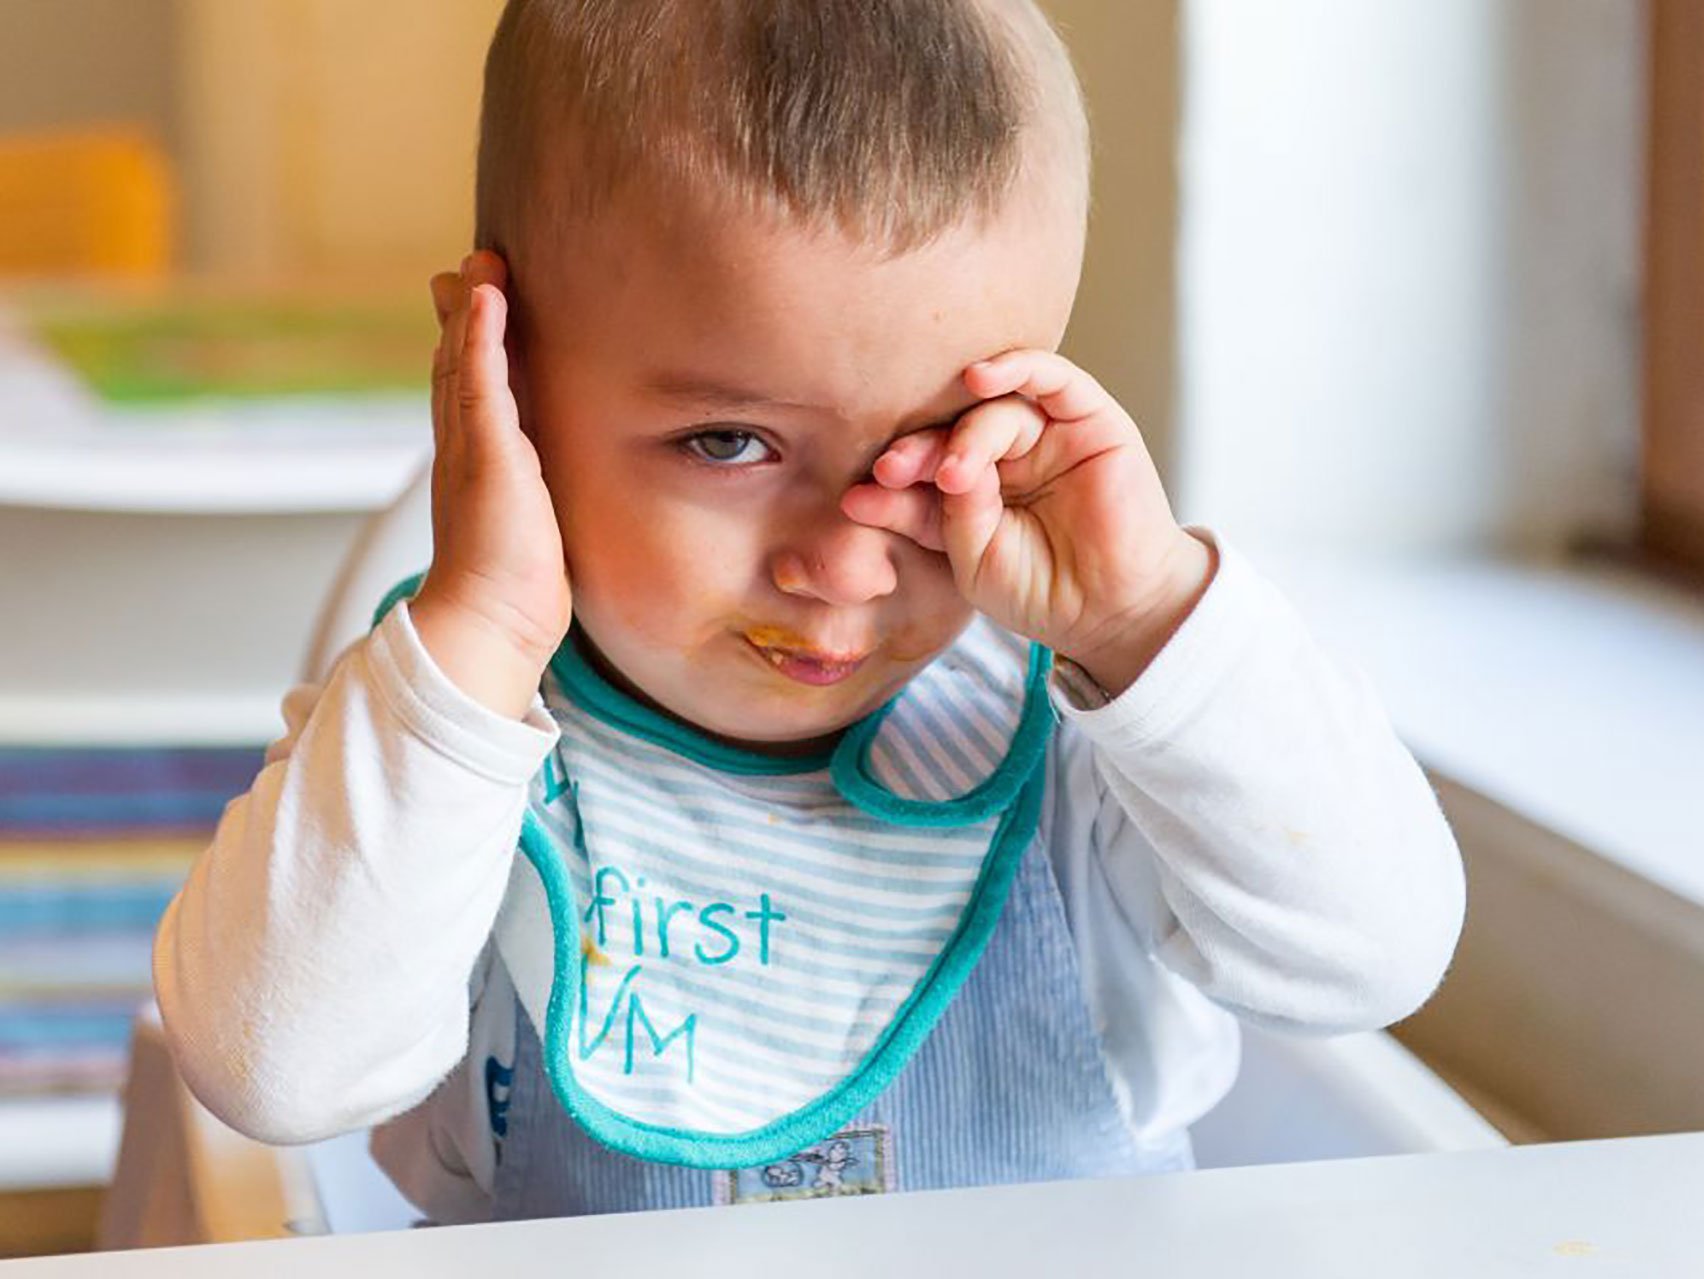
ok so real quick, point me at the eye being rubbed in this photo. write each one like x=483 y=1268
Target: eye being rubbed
x=728 y=448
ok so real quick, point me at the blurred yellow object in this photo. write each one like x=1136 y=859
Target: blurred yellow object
x=87 y=203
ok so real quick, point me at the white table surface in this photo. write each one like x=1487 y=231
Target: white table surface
x=1628 y=1207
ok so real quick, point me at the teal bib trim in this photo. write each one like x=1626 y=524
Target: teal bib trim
x=603 y=700
x=848 y=763
x=852 y=777
x=406 y=589
x=825 y=1116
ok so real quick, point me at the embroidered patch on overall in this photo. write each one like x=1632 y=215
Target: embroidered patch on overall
x=854 y=1162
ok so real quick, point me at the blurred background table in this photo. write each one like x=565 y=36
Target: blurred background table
x=129 y=525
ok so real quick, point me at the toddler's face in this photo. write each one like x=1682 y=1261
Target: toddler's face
x=702 y=393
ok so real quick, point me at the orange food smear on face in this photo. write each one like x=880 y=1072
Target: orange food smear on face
x=777 y=637
x=905 y=656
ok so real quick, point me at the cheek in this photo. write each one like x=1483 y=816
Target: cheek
x=933 y=615
x=654 y=569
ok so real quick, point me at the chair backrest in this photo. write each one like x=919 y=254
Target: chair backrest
x=396 y=543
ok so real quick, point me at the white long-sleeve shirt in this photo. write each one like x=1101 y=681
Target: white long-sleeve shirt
x=1238 y=835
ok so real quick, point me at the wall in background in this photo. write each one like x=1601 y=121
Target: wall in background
x=314 y=138
x=329 y=139
x=88 y=61
x=1124 y=329
x=1409 y=268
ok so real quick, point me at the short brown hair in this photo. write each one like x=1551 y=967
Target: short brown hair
x=890 y=120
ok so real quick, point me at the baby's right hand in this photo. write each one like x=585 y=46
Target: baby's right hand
x=495 y=603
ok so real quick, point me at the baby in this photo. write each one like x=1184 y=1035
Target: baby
x=814 y=740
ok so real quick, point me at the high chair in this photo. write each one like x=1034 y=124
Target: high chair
x=184 y=1177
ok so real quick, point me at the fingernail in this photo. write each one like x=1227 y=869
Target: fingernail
x=467 y=266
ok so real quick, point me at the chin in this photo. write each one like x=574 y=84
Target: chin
x=792 y=729
x=795 y=717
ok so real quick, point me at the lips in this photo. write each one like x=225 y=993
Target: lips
x=805 y=663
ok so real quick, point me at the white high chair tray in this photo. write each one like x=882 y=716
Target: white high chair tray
x=1620 y=1207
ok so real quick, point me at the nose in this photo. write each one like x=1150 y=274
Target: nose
x=838 y=563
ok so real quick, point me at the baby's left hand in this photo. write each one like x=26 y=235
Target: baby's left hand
x=1049 y=509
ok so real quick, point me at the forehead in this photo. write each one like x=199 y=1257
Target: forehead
x=686 y=299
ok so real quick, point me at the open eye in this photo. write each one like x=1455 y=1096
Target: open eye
x=726 y=448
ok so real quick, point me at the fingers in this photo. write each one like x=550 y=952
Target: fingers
x=1062 y=390
x=947 y=489
x=451 y=289
x=472 y=405
x=446 y=286
x=960 y=525
x=969 y=521
x=954 y=457
x=445 y=300
x=996 y=431
x=476 y=269
x=941 y=487
x=482 y=380
x=913 y=513
x=912 y=459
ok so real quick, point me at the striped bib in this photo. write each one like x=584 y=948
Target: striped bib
x=727 y=955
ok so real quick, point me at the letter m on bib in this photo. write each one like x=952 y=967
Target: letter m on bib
x=636 y=1022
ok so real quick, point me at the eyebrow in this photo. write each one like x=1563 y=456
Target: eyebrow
x=709 y=392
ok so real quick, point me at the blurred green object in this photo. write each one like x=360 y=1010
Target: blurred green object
x=157 y=351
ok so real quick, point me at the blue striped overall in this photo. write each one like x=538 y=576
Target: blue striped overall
x=1009 y=1087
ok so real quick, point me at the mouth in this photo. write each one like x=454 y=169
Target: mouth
x=805 y=665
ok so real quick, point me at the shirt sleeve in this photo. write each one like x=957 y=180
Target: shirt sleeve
x=1245 y=817
x=314 y=973
x=442 y=1155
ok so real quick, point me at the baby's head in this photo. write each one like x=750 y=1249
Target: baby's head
x=751 y=242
